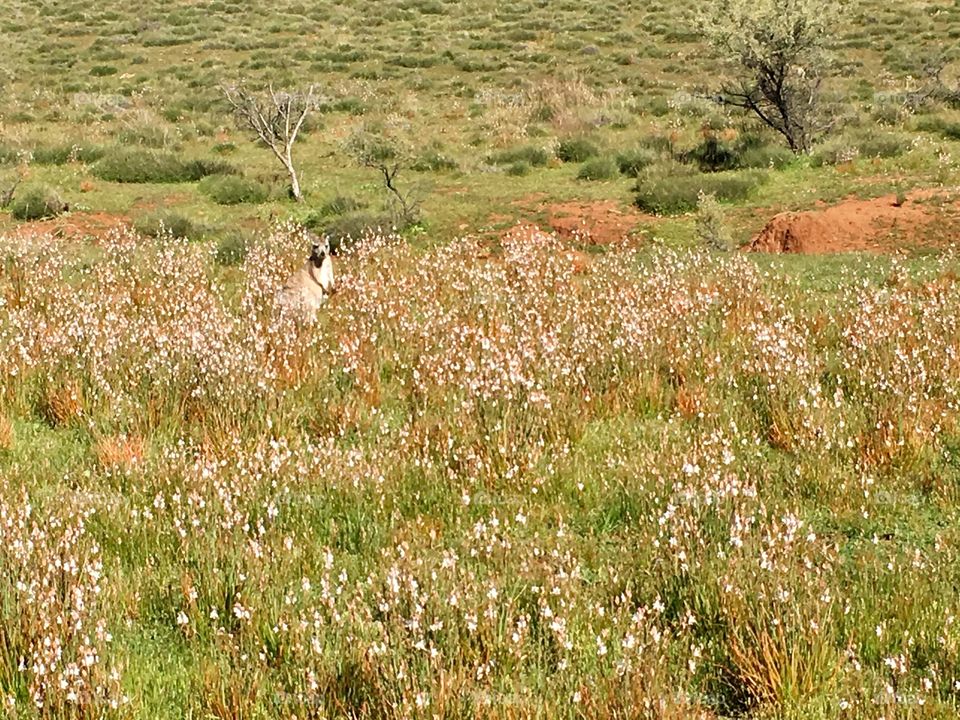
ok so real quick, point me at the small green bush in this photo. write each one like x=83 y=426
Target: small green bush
x=62 y=154
x=344 y=230
x=530 y=154
x=37 y=203
x=712 y=227
x=747 y=151
x=435 y=162
x=631 y=162
x=232 y=249
x=151 y=136
x=519 y=168
x=233 y=190
x=662 y=192
x=167 y=224
x=103 y=70
x=600 y=168
x=576 y=150
x=135 y=165
x=340 y=205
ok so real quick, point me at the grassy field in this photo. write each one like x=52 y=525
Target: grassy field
x=507 y=474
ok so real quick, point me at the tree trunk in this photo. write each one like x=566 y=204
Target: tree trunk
x=294 y=180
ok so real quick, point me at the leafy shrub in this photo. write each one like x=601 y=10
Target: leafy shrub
x=134 y=165
x=233 y=189
x=884 y=145
x=631 y=162
x=765 y=156
x=434 y=162
x=9 y=154
x=344 y=230
x=225 y=148
x=103 y=70
x=37 y=203
x=665 y=189
x=601 y=168
x=712 y=227
x=167 y=224
x=747 y=151
x=62 y=154
x=576 y=150
x=530 y=154
x=232 y=249
x=519 y=168
x=152 y=136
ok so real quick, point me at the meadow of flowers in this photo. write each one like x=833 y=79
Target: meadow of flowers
x=502 y=484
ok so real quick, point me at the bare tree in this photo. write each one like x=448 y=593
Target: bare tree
x=276 y=117
x=6 y=196
x=385 y=148
x=779 y=50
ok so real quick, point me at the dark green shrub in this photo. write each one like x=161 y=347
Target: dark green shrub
x=344 y=230
x=747 y=151
x=152 y=136
x=519 y=168
x=600 y=168
x=631 y=162
x=232 y=249
x=62 y=154
x=576 y=150
x=884 y=145
x=765 y=156
x=233 y=189
x=435 y=162
x=167 y=224
x=340 y=205
x=135 y=165
x=103 y=70
x=37 y=203
x=9 y=154
x=665 y=190
x=530 y=154
x=227 y=148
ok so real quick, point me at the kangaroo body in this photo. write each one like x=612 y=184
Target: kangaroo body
x=309 y=287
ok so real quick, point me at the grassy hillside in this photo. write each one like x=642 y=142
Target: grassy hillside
x=609 y=472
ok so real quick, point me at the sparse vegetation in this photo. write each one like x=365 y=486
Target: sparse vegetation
x=595 y=469
x=36 y=202
x=780 y=52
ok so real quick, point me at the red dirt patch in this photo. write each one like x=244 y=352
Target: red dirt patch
x=598 y=222
x=73 y=226
x=925 y=219
x=595 y=223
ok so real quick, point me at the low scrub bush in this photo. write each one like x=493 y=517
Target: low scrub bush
x=576 y=150
x=600 y=168
x=233 y=189
x=133 y=165
x=232 y=249
x=867 y=144
x=747 y=151
x=435 y=162
x=167 y=224
x=631 y=162
x=530 y=154
x=62 y=154
x=344 y=230
x=519 y=169
x=666 y=189
x=712 y=228
x=37 y=203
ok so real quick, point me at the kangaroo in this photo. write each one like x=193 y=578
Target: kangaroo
x=309 y=287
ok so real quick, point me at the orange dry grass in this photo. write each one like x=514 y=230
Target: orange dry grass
x=62 y=403
x=119 y=452
x=6 y=433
